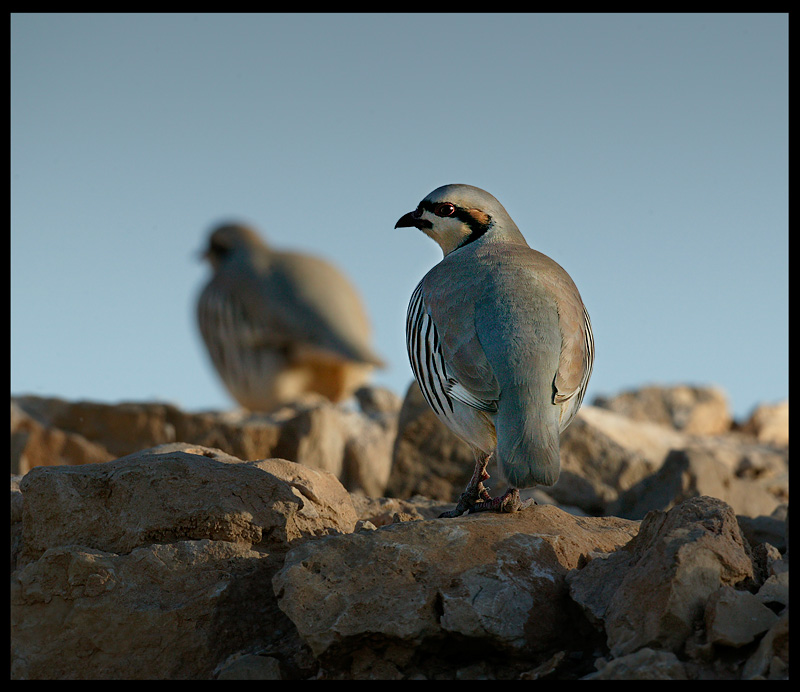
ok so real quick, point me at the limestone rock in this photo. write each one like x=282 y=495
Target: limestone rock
x=769 y=423
x=693 y=410
x=770 y=528
x=380 y=511
x=179 y=493
x=611 y=464
x=165 y=564
x=604 y=453
x=34 y=444
x=159 y=564
x=496 y=580
x=161 y=611
x=735 y=618
x=771 y=660
x=654 y=591
x=354 y=445
x=752 y=479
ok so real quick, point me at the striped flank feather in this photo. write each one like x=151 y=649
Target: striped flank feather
x=425 y=355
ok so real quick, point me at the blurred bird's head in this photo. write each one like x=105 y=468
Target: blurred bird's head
x=230 y=240
x=455 y=215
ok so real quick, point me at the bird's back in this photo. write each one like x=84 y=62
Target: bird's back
x=279 y=324
x=498 y=307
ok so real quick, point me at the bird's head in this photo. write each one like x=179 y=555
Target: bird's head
x=229 y=240
x=455 y=215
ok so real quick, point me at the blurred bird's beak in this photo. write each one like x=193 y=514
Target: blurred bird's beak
x=410 y=219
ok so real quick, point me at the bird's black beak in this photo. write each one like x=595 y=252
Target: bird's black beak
x=407 y=220
x=413 y=218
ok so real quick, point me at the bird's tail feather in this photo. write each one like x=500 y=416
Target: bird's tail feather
x=528 y=446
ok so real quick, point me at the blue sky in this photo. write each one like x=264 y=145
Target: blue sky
x=646 y=153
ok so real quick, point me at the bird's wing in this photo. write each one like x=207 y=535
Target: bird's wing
x=307 y=306
x=446 y=344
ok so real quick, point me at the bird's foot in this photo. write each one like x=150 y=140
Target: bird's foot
x=506 y=503
x=475 y=493
x=472 y=496
x=470 y=502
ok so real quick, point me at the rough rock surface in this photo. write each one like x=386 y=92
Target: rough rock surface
x=494 y=582
x=694 y=410
x=158 y=565
x=653 y=591
x=354 y=445
x=188 y=562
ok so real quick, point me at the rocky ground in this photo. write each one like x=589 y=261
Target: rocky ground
x=149 y=542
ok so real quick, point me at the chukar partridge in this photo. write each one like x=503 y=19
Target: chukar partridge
x=279 y=324
x=499 y=341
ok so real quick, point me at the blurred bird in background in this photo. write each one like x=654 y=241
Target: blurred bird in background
x=278 y=325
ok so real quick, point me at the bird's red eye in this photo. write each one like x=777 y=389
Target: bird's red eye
x=444 y=209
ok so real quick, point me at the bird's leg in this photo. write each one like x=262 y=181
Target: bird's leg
x=475 y=492
x=508 y=502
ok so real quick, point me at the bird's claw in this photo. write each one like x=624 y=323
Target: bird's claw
x=468 y=499
x=507 y=503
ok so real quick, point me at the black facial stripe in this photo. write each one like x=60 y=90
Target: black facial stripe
x=476 y=227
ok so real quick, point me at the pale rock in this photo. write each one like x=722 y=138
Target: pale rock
x=604 y=453
x=653 y=592
x=719 y=471
x=771 y=659
x=494 y=579
x=179 y=492
x=354 y=445
x=159 y=565
x=35 y=444
x=769 y=423
x=161 y=611
x=735 y=618
x=693 y=410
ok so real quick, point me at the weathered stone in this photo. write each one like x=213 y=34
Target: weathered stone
x=164 y=569
x=493 y=579
x=677 y=560
x=644 y=664
x=718 y=471
x=34 y=444
x=769 y=424
x=693 y=410
x=735 y=618
x=168 y=610
x=155 y=565
x=771 y=660
x=355 y=446
x=179 y=493
x=766 y=529
x=604 y=453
